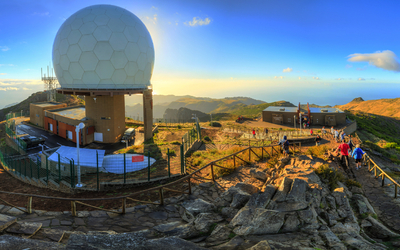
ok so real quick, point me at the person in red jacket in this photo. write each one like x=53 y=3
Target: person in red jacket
x=344 y=153
x=254 y=133
x=311 y=132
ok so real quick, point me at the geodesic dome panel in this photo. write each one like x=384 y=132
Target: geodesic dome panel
x=103 y=47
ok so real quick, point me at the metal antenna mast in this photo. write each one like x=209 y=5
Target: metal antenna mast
x=50 y=84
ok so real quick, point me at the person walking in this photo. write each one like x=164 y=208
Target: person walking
x=351 y=145
x=344 y=154
x=342 y=135
x=254 y=133
x=336 y=136
x=358 y=155
x=285 y=145
x=323 y=131
x=318 y=140
x=333 y=133
x=311 y=132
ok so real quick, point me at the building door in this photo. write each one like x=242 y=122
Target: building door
x=98 y=137
x=69 y=135
x=330 y=120
x=51 y=127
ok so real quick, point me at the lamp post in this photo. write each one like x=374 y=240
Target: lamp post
x=77 y=130
x=294 y=121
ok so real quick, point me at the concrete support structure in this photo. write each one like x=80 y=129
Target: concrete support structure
x=108 y=114
x=148 y=113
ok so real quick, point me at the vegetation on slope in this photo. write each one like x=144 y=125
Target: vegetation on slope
x=383 y=107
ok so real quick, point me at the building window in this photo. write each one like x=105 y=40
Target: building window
x=106 y=118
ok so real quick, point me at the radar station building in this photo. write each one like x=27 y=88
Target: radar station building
x=316 y=116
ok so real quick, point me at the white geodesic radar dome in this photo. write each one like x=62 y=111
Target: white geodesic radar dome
x=103 y=47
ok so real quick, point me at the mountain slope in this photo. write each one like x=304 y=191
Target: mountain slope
x=382 y=107
x=38 y=97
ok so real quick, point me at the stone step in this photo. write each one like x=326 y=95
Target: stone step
x=6 y=221
x=48 y=234
x=25 y=229
x=13 y=242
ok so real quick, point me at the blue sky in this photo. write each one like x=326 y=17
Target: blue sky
x=300 y=51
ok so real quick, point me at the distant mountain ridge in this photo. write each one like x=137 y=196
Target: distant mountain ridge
x=383 y=107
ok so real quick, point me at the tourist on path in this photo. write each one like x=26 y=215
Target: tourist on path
x=285 y=145
x=358 y=155
x=333 y=132
x=344 y=153
x=323 y=132
x=351 y=145
x=254 y=133
x=311 y=132
x=342 y=135
x=317 y=140
x=336 y=136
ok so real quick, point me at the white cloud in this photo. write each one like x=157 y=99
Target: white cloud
x=299 y=78
x=4 y=48
x=8 y=89
x=361 y=79
x=385 y=60
x=12 y=82
x=25 y=88
x=315 y=78
x=197 y=21
x=339 y=79
x=287 y=70
x=3 y=74
x=281 y=77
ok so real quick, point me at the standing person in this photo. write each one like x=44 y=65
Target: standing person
x=311 y=132
x=254 y=133
x=323 y=131
x=343 y=134
x=317 y=140
x=333 y=133
x=336 y=136
x=285 y=145
x=344 y=154
x=358 y=155
x=351 y=145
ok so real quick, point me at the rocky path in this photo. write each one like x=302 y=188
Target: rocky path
x=385 y=205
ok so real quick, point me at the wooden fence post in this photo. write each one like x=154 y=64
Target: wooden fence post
x=160 y=192
x=212 y=172
x=234 y=161
x=123 y=210
x=73 y=208
x=383 y=179
x=190 y=186
x=249 y=154
x=375 y=172
x=29 y=208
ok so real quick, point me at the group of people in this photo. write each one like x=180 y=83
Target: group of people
x=346 y=149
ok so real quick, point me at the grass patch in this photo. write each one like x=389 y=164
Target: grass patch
x=231 y=235
x=350 y=182
x=317 y=151
x=333 y=176
x=171 y=153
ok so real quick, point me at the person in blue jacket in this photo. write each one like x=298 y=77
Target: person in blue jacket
x=358 y=154
x=285 y=145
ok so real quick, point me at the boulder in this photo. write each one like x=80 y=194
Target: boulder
x=258 y=174
x=261 y=200
x=262 y=245
x=263 y=221
x=363 y=204
x=167 y=244
x=344 y=209
x=13 y=242
x=178 y=229
x=308 y=215
x=235 y=243
x=330 y=238
x=292 y=223
x=283 y=190
x=240 y=199
x=291 y=195
x=378 y=230
x=356 y=241
x=198 y=206
x=204 y=221
x=229 y=212
x=243 y=190
x=220 y=234
x=186 y=215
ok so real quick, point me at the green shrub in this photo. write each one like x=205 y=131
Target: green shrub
x=175 y=143
x=179 y=126
x=171 y=153
x=215 y=124
x=317 y=151
x=207 y=138
x=130 y=151
x=332 y=175
x=350 y=182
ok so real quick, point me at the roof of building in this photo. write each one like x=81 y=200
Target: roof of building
x=77 y=112
x=281 y=109
x=325 y=110
x=46 y=104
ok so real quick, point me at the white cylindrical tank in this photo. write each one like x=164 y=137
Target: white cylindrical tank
x=103 y=47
